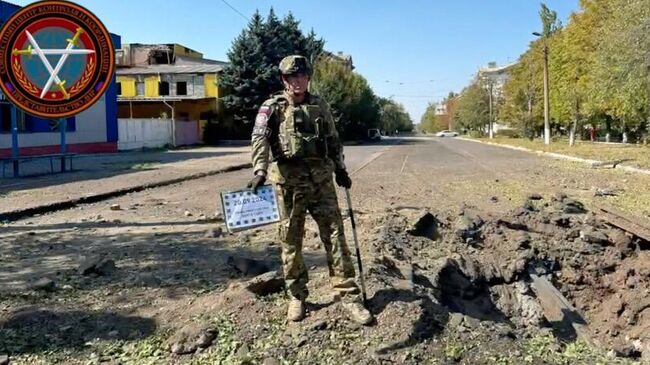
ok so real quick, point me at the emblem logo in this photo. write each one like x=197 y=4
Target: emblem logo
x=56 y=59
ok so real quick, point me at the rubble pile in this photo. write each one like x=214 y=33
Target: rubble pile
x=477 y=270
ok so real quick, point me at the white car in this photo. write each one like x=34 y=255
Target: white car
x=446 y=134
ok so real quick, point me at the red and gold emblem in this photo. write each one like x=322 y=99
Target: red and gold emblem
x=56 y=59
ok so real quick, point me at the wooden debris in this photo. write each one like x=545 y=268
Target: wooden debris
x=559 y=311
x=630 y=224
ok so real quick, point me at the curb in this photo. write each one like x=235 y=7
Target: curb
x=71 y=203
x=558 y=156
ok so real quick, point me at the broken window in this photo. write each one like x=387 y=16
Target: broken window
x=139 y=88
x=160 y=57
x=163 y=88
x=181 y=88
x=119 y=88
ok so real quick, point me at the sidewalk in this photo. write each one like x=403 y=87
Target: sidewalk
x=99 y=176
x=623 y=152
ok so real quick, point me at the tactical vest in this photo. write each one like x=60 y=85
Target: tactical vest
x=302 y=131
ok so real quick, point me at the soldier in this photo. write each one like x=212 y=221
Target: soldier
x=297 y=130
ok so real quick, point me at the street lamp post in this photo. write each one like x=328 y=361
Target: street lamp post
x=547 y=126
x=491 y=125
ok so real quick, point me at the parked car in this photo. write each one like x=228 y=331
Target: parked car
x=446 y=133
x=374 y=134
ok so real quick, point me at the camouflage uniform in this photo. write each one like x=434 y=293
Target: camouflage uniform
x=305 y=149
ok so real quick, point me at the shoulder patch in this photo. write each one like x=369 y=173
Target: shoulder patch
x=263 y=116
x=261 y=121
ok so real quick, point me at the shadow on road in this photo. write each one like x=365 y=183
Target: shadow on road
x=93 y=167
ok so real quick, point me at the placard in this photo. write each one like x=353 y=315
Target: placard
x=244 y=210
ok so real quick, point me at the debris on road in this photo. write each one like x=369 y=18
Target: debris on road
x=44 y=284
x=97 y=265
x=190 y=338
x=214 y=232
x=266 y=284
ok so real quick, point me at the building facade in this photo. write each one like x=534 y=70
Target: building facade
x=169 y=81
x=494 y=77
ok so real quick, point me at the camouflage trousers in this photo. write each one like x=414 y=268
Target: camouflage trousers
x=321 y=202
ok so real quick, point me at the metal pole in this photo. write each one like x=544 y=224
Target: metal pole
x=63 y=125
x=547 y=126
x=14 y=138
x=490 y=122
x=356 y=247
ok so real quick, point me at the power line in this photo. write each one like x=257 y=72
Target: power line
x=235 y=10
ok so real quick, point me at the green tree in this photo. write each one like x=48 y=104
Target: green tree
x=354 y=104
x=430 y=122
x=622 y=64
x=473 y=107
x=394 y=117
x=252 y=74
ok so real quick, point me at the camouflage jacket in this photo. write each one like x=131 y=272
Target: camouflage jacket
x=295 y=137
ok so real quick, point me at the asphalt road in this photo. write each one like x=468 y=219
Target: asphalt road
x=440 y=174
x=397 y=168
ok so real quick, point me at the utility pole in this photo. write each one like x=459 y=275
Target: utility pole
x=547 y=125
x=490 y=127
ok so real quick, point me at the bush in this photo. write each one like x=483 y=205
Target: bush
x=475 y=134
x=509 y=133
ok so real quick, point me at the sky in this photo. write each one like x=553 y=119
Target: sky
x=415 y=51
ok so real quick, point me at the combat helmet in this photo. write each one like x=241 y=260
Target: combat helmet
x=295 y=64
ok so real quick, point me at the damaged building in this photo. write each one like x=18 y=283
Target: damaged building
x=169 y=86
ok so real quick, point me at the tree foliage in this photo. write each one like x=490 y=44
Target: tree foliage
x=252 y=74
x=354 y=104
x=599 y=69
x=394 y=117
x=432 y=122
x=473 y=111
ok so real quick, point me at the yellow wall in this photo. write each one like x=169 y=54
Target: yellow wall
x=184 y=51
x=151 y=86
x=211 y=90
x=128 y=86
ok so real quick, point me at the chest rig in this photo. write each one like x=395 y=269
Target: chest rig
x=302 y=131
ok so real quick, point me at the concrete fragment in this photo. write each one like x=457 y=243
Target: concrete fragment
x=266 y=284
x=190 y=338
x=44 y=284
x=96 y=265
x=214 y=232
x=594 y=236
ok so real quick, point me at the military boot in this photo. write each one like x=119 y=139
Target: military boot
x=358 y=313
x=296 y=311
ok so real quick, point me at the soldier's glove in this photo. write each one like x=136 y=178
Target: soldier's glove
x=343 y=179
x=256 y=182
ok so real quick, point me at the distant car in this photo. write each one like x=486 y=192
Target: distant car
x=374 y=134
x=446 y=134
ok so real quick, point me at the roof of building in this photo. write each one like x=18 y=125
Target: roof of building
x=496 y=69
x=184 y=60
x=171 y=69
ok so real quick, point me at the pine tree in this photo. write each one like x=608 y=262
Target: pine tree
x=252 y=75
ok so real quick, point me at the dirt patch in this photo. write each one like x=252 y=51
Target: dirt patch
x=440 y=286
